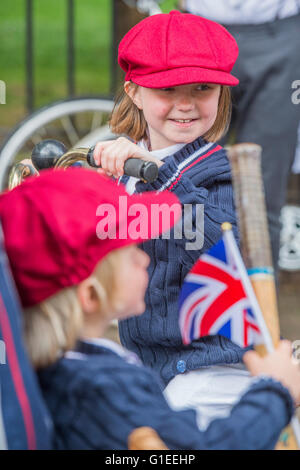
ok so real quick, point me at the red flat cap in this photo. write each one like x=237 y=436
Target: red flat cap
x=59 y=225
x=173 y=49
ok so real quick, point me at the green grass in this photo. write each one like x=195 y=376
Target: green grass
x=92 y=45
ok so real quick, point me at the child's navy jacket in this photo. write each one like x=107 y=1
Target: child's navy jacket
x=97 y=397
x=199 y=173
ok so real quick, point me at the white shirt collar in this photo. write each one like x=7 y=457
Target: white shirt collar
x=129 y=356
x=161 y=153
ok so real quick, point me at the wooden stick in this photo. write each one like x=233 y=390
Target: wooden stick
x=250 y=204
x=145 y=438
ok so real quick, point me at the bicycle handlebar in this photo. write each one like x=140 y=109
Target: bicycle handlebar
x=50 y=153
x=146 y=171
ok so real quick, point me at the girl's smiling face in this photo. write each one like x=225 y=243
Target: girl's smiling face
x=177 y=114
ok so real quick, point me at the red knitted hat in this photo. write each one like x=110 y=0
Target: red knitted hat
x=59 y=225
x=173 y=49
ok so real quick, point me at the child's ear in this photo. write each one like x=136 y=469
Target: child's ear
x=88 y=297
x=133 y=92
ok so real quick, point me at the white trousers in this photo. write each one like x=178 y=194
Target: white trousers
x=211 y=391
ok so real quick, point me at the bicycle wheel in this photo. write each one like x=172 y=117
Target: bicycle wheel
x=80 y=121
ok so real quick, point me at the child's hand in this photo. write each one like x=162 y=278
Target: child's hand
x=112 y=154
x=279 y=365
x=28 y=161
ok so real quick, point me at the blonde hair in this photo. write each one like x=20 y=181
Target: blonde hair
x=128 y=119
x=53 y=326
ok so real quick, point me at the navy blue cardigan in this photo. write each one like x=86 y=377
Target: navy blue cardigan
x=96 y=399
x=199 y=173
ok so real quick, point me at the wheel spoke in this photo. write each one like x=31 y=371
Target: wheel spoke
x=96 y=120
x=70 y=129
x=37 y=137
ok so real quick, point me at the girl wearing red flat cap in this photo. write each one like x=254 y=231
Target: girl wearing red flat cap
x=176 y=105
x=73 y=283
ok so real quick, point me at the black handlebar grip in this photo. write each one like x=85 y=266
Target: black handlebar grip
x=147 y=171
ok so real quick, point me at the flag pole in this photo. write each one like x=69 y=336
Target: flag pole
x=228 y=235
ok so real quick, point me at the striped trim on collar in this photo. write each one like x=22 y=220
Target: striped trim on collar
x=194 y=163
x=189 y=162
x=198 y=155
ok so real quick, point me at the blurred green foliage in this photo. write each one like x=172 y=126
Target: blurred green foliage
x=93 y=19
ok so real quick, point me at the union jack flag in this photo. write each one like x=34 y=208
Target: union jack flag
x=217 y=298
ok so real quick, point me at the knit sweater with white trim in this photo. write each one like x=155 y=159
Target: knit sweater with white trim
x=199 y=173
